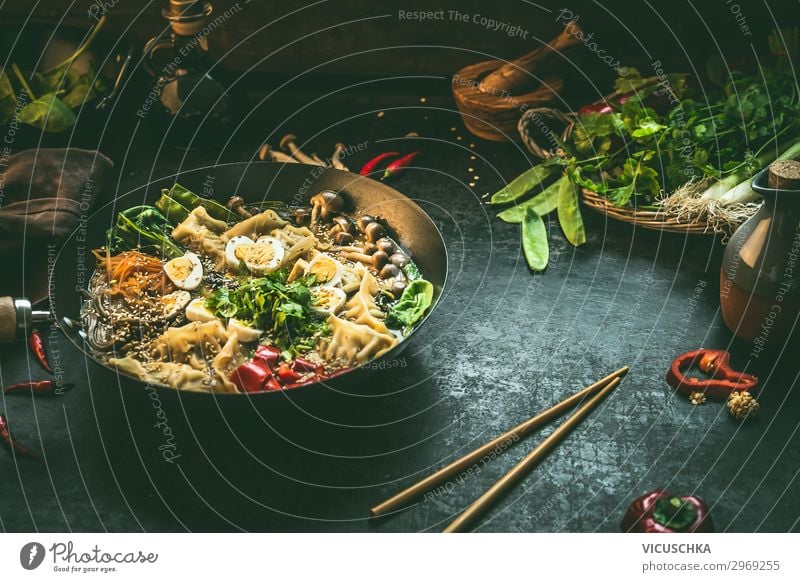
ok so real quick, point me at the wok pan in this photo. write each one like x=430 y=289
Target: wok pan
x=256 y=182
x=310 y=440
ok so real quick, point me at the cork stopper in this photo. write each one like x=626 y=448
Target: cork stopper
x=784 y=175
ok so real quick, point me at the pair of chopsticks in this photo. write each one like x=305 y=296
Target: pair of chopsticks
x=599 y=389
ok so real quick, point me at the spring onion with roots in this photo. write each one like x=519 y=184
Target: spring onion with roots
x=724 y=203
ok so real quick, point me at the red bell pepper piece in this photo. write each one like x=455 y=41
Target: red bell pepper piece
x=269 y=355
x=722 y=382
x=251 y=376
x=303 y=366
x=662 y=512
x=285 y=374
x=272 y=384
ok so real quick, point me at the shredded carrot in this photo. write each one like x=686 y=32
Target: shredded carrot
x=130 y=273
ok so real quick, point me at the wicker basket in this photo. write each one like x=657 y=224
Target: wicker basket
x=538 y=123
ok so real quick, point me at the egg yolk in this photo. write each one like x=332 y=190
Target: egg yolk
x=259 y=254
x=240 y=251
x=323 y=270
x=323 y=298
x=180 y=268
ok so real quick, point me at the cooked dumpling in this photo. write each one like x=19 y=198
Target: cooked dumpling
x=201 y=233
x=354 y=343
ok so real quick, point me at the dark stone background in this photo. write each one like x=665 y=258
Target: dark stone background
x=503 y=345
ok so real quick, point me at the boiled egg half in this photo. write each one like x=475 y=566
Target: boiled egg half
x=235 y=250
x=197 y=311
x=263 y=256
x=327 y=300
x=185 y=272
x=326 y=270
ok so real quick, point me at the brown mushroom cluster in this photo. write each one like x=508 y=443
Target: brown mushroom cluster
x=363 y=239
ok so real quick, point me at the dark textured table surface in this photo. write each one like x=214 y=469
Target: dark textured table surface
x=502 y=345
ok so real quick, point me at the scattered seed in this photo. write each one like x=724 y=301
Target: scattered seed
x=472 y=184
x=412 y=134
x=423 y=99
x=470 y=169
x=472 y=145
x=473 y=158
x=476 y=177
x=452 y=129
x=381 y=114
x=459 y=138
x=697 y=398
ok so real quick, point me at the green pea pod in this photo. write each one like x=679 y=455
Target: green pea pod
x=543 y=203
x=174 y=211
x=191 y=200
x=523 y=184
x=569 y=213
x=534 y=241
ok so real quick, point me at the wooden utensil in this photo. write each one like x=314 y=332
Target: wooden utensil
x=515 y=433
x=520 y=469
x=485 y=93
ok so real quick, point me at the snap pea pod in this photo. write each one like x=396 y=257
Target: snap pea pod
x=174 y=211
x=569 y=213
x=543 y=203
x=523 y=183
x=190 y=201
x=534 y=241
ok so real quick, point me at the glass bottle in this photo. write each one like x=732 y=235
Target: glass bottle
x=190 y=97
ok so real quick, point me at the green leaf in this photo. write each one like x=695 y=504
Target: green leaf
x=569 y=213
x=79 y=94
x=49 y=113
x=647 y=127
x=534 y=241
x=413 y=304
x=543 y=203
x=523 y=183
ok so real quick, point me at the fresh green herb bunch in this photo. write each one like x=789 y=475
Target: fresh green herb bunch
x=634 y=152
x=270 y=303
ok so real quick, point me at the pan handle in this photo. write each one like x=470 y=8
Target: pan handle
x=17 y=318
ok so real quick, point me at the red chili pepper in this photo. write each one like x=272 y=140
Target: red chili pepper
x=44 y=387
x=251 y=376
x=722 y=382
x=285 y=374
x=601 y=107
x=36 y=344
x=10 y=443
x=396 y=166
x=269 y=355
x=373 y=164
x=662 y=512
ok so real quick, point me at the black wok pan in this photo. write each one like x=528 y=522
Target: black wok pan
x=255 y=182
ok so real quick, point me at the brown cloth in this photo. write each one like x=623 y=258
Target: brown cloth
x=45 y=193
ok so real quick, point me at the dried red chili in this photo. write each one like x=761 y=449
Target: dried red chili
x=662 y=512
x=373 y=164
x=42 y=387
x=722 y=382
x=398 y=165
x=36 y=345
x=10 y=443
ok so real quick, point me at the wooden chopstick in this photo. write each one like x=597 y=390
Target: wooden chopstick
x=514 y=434
x=520 y=469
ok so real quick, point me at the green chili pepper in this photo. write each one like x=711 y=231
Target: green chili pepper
x=569 y=213
x=523 y=183
x=534 y=241
x=543 y=203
